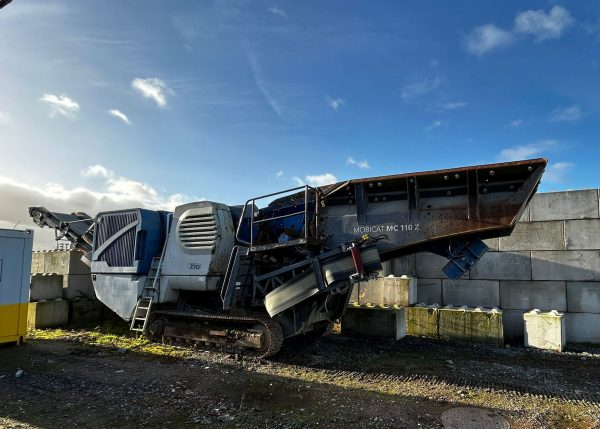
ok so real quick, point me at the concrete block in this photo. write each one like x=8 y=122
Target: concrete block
x=374 y=322
x=487 y=326
x=468 y=324
x=512 y=322
x=472 y=293
x=577 y=265
x=545 y=330
x=78 y=286
x=429 y=265
x=493 y=243
x=535 y=236
x=59 y=262
x=583 y=328
x=429 y=291
x=45 y=286
x=422 y=321
x=37 y=262
x=503 y=266
x=404 y=265
x=582 y=234
x=48 y=314
x=56 y=261
x=526 y=216
x=583 y=297
x=528 y=295
x=565 y=205
x=401 y=291
x=454 y=324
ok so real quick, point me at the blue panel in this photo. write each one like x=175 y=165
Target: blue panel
x=125 y=241
x=463 y=257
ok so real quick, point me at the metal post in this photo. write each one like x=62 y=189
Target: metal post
x=252 y=224
x=306 y=212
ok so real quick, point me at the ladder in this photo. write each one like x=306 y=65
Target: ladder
x=150 y=292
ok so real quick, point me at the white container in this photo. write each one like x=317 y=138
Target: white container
x=15 y=268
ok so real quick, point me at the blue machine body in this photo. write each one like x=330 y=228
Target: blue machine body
x=125 y=241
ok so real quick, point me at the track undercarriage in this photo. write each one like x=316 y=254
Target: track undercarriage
x=256 y=335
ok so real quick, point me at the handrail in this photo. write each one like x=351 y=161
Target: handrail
x=253 y=222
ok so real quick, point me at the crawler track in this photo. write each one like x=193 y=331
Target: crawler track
x=180 y=329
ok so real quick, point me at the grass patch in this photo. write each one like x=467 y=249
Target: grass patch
x=109 y=338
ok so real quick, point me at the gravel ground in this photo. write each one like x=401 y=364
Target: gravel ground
x=94 y=379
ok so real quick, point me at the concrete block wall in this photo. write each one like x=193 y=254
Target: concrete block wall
x=550 y=262
x=76 y=278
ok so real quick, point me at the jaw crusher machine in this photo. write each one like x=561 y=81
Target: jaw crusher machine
x=243 y=278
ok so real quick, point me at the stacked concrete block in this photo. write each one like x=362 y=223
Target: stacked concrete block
x=551 y=261
x=48 y=314
x=422 y=321
x=429 y=291
x=375 y=322
x=471 y=324
x=472 y=293
x=377 y=307
x=386 y=291
x=454 y=323
x=487 y=326
x=77 y=281
x=45 y=287
x=545 y=330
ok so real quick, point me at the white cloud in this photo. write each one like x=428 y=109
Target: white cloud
x=360 y=164
x=544 y=25
x=567 y=114
x=434 y=125
x=5 y=118
x=556 y=173
x=419 y=88
x=262 y=85
x=317 y=180
x=486 y=38
x=61 y=105
x=97 y=171
x=278 y=12
x=152 y=88
x=279 y=174
x=119 y=115
x=116 y=192
x=334 y=103
x=321 y=179
x=454 y=105
x=515 y=123
x=526 y=151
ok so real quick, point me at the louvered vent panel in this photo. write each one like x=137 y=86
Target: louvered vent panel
x=121 y=252
x=198 y=231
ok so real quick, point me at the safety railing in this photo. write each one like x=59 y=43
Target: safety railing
x=312 y=215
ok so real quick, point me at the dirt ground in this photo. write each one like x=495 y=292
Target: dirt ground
x=93 y=379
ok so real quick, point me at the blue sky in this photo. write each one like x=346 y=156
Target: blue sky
x=156 y=103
